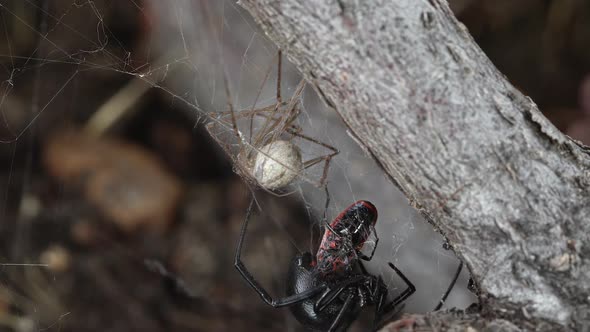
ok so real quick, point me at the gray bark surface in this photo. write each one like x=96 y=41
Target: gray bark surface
x=510 y=192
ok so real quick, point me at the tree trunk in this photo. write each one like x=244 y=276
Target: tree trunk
x=474 y=155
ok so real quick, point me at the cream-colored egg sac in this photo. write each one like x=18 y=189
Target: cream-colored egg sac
x=277 y=164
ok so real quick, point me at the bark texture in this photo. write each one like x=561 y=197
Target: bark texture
x=509 y=191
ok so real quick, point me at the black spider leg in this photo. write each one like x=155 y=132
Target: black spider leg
x=368 y=258
x=381 y=296
x=331 y=294
x=337 y=321
x=378 y=293
x=450 y=288
x=385 y=309
x=276 y=303
x=326 y=298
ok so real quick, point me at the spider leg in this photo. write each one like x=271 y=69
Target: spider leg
x=233 y=121
x=219 y=52
x=297 y=133
x=332 y=292
x=326 y=298
x=225 y=119
x=345 y=306
x=273 y=132
x=368 y=258
x=317 y=160
x=362 y=267
x=401 y=297
x=331 y=229
x=279 y=68
x=325 y=217
x=271 y=120
x=233 y=115
x=450 y=288
x=326 y=158
x=374 y=285
x=273 y=127
x=276 y=303
x=230 y=105
x=253 y=110
x=379 y=312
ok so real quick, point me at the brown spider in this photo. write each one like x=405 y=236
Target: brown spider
x=268 y=156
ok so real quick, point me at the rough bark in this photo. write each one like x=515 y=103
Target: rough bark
x=508 y=190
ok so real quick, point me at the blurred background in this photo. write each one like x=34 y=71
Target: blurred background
x=109 y=180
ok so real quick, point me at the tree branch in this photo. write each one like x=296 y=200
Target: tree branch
x=475 y=156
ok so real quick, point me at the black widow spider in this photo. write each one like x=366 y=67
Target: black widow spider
x=328 y=291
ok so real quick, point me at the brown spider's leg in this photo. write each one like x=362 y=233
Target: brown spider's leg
x=219 y=37
x=230 y=105
x=316 y=160
x=225 y=117
x=279 y=102
x=327 y=205
x=268 y=127
x=261 y=113
x=327 y=159
x=253 y=110
x=270 y=121
x=245 y=113
x=279 y=74
x=313 y=140
x=257 y=142
x=292 y=104
x=233 y=120
x=234 y=117
x=311 y=162
x=278 y=127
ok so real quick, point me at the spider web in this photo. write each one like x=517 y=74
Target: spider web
x=55 y=61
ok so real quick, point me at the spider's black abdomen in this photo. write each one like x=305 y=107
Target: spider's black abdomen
x=301 y=278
